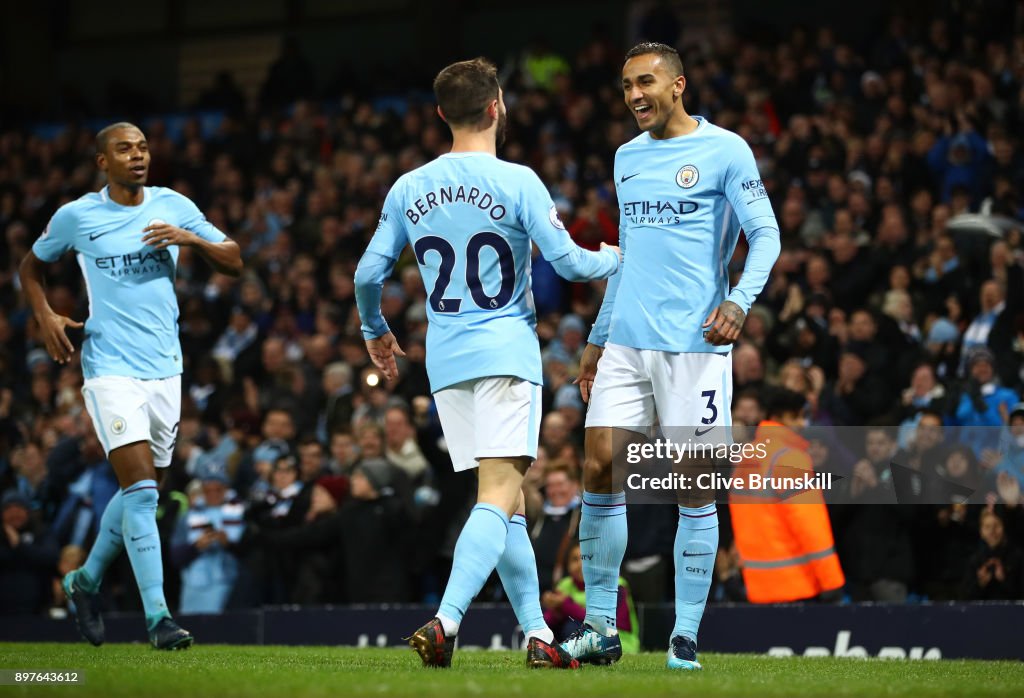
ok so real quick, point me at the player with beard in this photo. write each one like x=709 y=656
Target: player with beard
x=126 y=239
x=472 y=220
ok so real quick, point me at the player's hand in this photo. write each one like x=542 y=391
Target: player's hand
x=606 y=246
x=383 y=351
x=162 y=235
x=58 y=346
x=588 y=370
x=725 y=323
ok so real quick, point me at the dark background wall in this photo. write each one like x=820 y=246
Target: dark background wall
x=61 y=59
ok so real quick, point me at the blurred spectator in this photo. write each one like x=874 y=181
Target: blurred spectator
x=312 y=463
x=71 y=558
x=204 y=545
x=369 y=531
x=875 y=540
x=400 y=443
x=985 y=404
x=343 y=452
x=556 y=522
x=994 y=572
x=1009 y=457
x=336 y=412
x=28 y=559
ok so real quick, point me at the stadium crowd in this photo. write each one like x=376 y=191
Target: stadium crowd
x=301 y=476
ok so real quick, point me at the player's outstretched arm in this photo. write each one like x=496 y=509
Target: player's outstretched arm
x=584 y=265
x=225 y=256
x=51 y=325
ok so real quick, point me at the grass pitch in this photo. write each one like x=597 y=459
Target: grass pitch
x=227 y=671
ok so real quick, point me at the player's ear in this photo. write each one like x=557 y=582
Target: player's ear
x=101 y=162
x=679 y=87
x=492 y=110
x=441 y=114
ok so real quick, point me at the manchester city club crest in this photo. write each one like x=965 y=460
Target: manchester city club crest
x=117 y=426
x=687 y=176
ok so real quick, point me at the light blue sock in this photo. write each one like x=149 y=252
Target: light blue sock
x=109 y=544
x=518 y=571
x=477 y=552
x=603 y=538
x=694 y=552
x=142 y=541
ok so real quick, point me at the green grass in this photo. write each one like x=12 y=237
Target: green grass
x=223 y=671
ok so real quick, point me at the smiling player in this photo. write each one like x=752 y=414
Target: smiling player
x=126 y=239
x=685 y=189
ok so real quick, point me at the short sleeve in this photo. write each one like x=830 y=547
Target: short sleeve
x=192 y=219
x=58 y=237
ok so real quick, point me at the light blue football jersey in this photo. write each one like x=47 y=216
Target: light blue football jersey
x=682 y=204
x=132 y=329
x=471 y=219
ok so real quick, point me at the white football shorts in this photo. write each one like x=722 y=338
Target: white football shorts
x=638 y=388
x=126 y=410
x=492 y=417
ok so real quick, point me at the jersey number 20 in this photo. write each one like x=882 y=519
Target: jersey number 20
x=506 y=264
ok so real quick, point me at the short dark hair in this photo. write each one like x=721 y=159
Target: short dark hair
x=667 y=54
x=782 y=401
x=103 y=137
x=464 y=89
x=748 y=394
x=310 y=440
x=879 y=425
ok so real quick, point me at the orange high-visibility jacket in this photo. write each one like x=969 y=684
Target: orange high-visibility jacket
x=785 y=542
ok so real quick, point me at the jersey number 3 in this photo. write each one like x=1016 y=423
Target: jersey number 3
x=506 y=264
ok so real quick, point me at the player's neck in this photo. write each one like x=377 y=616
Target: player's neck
x=678 y=125
x=126 y=196
x=474 y=142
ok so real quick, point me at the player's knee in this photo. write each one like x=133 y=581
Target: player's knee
x=501 y=497
x=500 y=483
x=597 y=474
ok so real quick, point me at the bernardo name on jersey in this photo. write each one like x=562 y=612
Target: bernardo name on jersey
x=472 y=219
